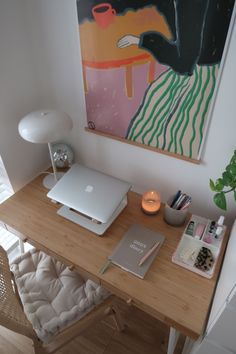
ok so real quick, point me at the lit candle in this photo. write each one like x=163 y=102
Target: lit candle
x=151 y=202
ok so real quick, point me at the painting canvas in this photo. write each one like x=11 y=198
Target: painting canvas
x=150 y=69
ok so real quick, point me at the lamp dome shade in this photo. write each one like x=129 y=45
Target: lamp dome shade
x=44 y=126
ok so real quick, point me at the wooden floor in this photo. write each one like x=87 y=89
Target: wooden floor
x=142 y=335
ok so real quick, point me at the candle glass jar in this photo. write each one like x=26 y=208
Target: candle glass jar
x=151 y=202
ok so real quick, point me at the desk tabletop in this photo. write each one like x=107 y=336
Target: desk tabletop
x=172 y=294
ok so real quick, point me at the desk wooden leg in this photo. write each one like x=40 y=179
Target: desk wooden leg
x=188 y=345
x=129 y=81
x=173 y=338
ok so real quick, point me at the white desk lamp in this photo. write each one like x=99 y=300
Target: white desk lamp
x=46 y=126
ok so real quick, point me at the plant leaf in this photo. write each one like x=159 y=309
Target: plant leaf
x=220 y=200
x=227 y=178
x=233 y=184
x=235 y=195
x=232 y=169
x=219 y=185
x=212 y=185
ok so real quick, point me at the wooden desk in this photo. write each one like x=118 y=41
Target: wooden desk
x=179 y=298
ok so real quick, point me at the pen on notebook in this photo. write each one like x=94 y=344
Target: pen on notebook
x=149 y=253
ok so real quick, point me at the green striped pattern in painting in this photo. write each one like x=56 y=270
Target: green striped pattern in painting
x=174 y=111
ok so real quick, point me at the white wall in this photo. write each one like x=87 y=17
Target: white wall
x=19 y=94
x=55 y=32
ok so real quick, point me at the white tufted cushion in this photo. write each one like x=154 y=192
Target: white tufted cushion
x=53 y=296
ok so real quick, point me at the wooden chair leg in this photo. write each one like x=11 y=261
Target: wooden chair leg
x=119 y=323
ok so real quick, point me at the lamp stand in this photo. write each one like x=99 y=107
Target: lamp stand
x=52 y=178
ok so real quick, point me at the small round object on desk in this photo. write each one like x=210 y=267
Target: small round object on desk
x=151 y=202
x=63 y=155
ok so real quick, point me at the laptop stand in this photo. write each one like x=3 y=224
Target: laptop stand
x=88 y=223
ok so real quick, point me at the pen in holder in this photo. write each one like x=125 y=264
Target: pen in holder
x=176 y=210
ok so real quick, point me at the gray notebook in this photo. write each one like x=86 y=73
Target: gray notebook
x=135 y=244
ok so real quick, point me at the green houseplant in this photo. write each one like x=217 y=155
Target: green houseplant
x=225 y=184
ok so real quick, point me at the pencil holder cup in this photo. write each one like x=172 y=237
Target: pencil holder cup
x=174 y=217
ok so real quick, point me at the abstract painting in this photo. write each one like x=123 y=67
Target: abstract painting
x=150 y=69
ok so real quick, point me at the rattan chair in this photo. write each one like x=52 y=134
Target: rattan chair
x=12 y=315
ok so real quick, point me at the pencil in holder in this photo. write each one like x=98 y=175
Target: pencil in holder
x=173 y=216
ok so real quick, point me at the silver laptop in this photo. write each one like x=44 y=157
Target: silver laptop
x=90 y=192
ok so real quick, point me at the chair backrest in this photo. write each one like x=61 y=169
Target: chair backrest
x=11 y=313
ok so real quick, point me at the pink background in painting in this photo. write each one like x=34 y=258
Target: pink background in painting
x=107 y=104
